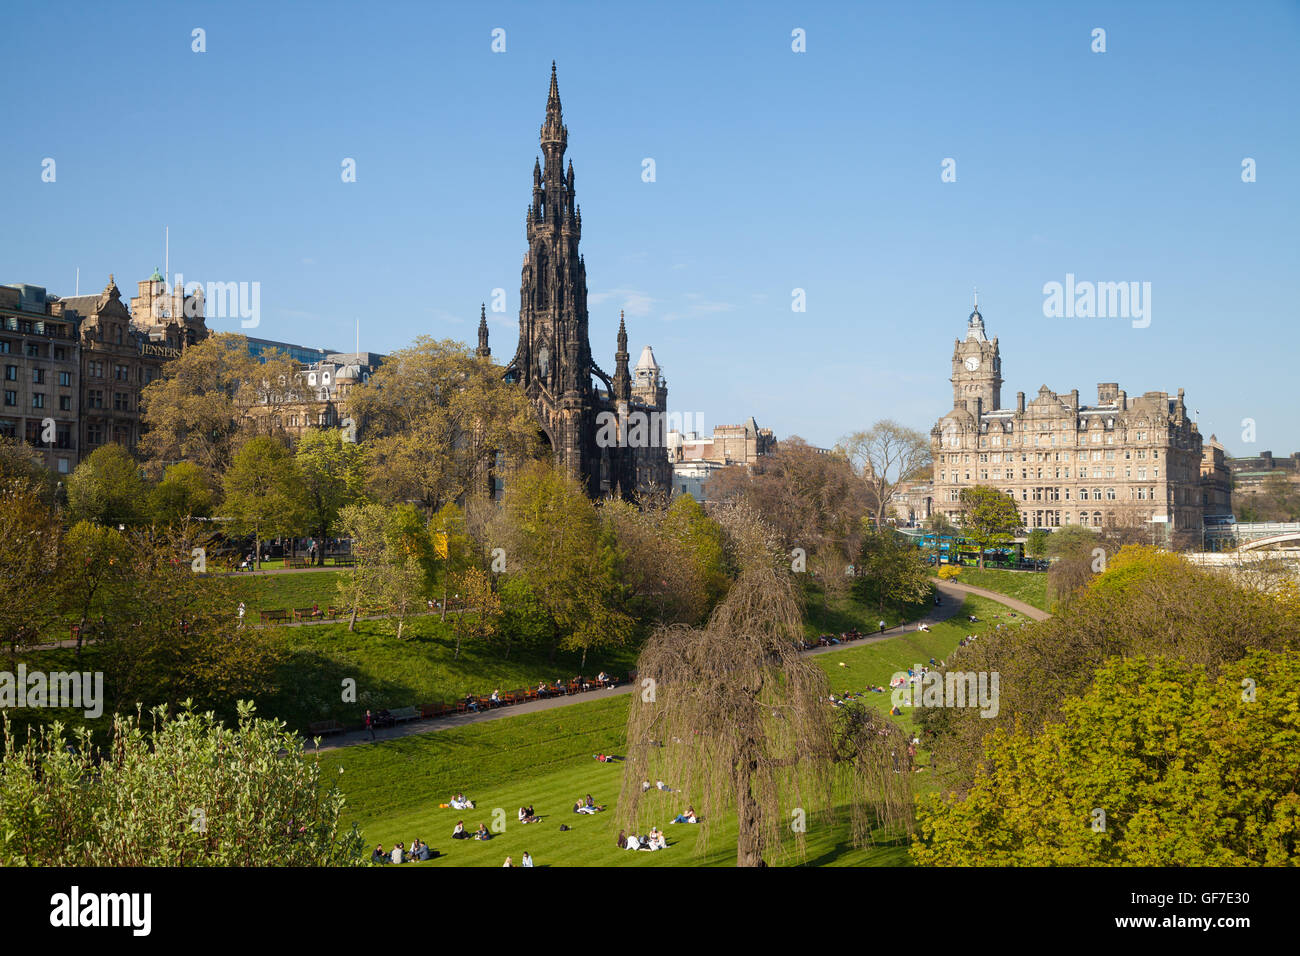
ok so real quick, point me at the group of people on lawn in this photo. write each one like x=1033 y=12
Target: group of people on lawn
x=418 y=852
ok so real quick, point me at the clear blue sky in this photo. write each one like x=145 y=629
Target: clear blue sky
x=775 y=170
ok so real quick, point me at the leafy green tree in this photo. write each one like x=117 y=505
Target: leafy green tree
x=410 y=557
x=182 y=494
x=29 y=560
x=1036 y=543
x=1188 y=770
x=362 y=585
x=480 y=613
x=265 y=496
x=891 y=570
x=394 y=560
x=436 y=420
x=107 y=488
x=453 y=546
x=187 y=792
x=94 y=577
x=211 y=399
x=1147 y=603
x=524 y=619
x=989 y=517
x=557 y=544
x=333 y=476
x=174 y=634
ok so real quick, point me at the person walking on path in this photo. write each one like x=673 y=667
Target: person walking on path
x=370 y=725
x=241 y=613
x=882 y=627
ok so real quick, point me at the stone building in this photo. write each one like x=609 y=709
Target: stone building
x=120 y=356
x=694 y=457
x=318 y=395
x=610 y=439
x=1122 y=461
x=41 y=360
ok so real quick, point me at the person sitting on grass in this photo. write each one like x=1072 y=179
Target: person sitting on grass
x=622 y=839
x=687 y=817
x=461 y=802
x=526 y=815
x=398 y=853
x=657 y=840
x=482 y=833
x=588 y=806
x=422 y=851
x=633 y=842
x=508 y=862
x=527 y=860
x=460 y=833
x=379 y=856
x=605 y=758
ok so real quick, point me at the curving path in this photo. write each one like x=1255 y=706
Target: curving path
x=953 y=594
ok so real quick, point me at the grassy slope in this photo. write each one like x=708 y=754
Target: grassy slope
x=1027 y=586
x=545 y=759
x=417 y=669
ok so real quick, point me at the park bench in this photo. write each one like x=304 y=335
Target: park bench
x=344 y=561
x=297 y=562
x=431 y=710
x=323 y=728
x=403 y=714
x=275 y=617
x=306 y=613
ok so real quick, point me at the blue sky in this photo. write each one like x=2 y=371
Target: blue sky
x=775 y=170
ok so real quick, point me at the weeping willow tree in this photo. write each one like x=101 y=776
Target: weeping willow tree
x=736 y=718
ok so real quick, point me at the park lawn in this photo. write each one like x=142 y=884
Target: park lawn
x=420 y=668
x=875 y=664
x=1027 y=586
x=544 y=759
x=286 y=590
x=840 y=612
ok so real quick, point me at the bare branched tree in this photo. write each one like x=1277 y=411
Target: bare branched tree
x=733 y=716
x=886 y=455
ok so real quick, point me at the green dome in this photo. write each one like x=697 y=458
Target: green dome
x=157 y=276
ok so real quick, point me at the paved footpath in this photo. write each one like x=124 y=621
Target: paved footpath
x=953 y=594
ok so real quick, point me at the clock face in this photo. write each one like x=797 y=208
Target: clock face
x=972 y=363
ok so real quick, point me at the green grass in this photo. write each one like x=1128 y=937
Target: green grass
x=419 y=668
x=1027 y=586
x=292 y=589
x=542 y=759
x=394 y=787
x=837 y=613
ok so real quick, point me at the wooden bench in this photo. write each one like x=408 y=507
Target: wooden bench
x=405 y=713
x=306 y=613
x=323 y=728
x=344 y=562
x=275 y=617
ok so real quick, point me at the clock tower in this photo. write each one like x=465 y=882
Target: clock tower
x=976 y=369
